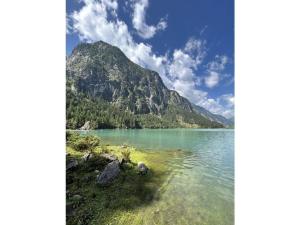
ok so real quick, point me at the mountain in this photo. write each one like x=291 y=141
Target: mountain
x=105 y=88
x=213 y=117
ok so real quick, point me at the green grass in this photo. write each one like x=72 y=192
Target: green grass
x=117 y=203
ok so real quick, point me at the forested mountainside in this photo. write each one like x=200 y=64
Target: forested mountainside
x=107 y=89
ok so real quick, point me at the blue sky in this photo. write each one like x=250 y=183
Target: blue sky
x=189 y=43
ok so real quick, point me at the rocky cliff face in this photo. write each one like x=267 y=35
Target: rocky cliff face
x=102 y=71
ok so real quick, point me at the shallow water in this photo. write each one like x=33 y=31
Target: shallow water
x=200 y=186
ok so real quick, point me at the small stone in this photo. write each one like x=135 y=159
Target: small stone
x=76 y=197
x=69 y=208
x=142 y=168
x=109 y=157
x=72 y=164
x=96 y=171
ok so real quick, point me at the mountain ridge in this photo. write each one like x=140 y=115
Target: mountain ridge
x=99 y=74
x=213 y=117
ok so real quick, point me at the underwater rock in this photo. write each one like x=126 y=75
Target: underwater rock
x=142 y=168
x=110 y=172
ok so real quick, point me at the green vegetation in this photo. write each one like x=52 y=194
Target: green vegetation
x=126 y=154
x=87 y=143
x=102 y=114
x=89 y=203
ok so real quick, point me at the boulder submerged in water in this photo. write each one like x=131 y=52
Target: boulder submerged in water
x=110 y=172
x=142 y=168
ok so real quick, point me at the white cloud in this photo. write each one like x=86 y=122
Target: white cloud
x=214 y=70
x=212 y=80
x=218 y=64
x=182 y=68
x=139 y=20
x=223 y=105
x=98 y=20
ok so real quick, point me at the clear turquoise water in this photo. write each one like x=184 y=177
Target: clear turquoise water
x=200 y=186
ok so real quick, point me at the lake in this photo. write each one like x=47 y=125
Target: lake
x=199 y=188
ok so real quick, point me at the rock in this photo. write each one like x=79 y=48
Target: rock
x=96 y=171
x=142 y=168
x=72 y=164
x=69 y=208
x=76 y=198
x=110 y=172
x=109 y=157
x=87 y=156
x=86 y=126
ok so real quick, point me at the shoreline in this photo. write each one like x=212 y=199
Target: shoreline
x=128 y=191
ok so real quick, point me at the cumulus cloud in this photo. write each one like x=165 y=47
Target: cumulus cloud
x=212 y=79
x=182 y=69
x=139 y=20
x=98 y=20
x=214 y=70
x=223 y=105
x=218 y=64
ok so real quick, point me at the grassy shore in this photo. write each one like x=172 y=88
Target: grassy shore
x=89 y=203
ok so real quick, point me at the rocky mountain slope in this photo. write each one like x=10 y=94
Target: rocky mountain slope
x=107 y=89
x=213 y=117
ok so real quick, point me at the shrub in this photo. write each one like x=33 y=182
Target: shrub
x=104 y=149
x=88 y=143
x=71 y=137
x=126 y=154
